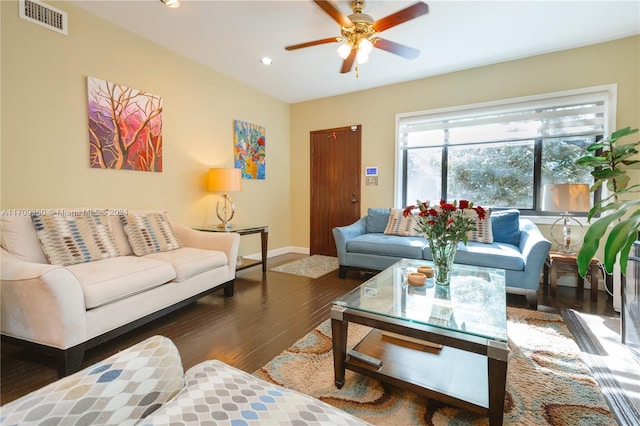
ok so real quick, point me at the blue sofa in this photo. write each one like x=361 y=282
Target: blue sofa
x=518 y=247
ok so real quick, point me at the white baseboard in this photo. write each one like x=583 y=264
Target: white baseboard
x=278 y=252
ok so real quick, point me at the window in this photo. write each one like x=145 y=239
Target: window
x=500 y=154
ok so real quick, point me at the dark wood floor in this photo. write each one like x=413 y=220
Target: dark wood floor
x=267 y=314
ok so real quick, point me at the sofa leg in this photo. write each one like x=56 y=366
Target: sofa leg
x=68 y=361
x=229 y=289
x=342 y=272
x=532 y=298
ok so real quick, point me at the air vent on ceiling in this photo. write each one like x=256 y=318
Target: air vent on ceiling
x=42 y=14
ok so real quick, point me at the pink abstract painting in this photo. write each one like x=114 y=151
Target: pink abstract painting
x=125 y=127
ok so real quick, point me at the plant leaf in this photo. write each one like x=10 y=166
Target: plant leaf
x=590 y=161
x=622 y=132
x=592 y=239
x=624 y=253
x=595 y=146
x=606 y=173
x=618 y=238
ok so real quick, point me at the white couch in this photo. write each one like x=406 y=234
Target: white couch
x=67 y=309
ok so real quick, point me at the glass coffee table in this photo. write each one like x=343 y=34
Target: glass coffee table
x=448 y=343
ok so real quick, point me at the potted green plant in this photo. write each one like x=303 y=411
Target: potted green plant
x=611 y=160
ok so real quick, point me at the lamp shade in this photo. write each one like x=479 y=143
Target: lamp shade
x=224 y=180
x=566 y=197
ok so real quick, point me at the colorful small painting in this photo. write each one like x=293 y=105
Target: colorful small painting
x=249 y=149
x=125 y=127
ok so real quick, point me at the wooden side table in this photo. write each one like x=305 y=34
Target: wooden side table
x=246 y=230
x=555 y=258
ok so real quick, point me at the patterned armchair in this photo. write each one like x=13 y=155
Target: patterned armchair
x=145 y=385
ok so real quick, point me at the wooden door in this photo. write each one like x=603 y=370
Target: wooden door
x=335 y=184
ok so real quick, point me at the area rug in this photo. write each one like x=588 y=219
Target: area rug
x=547 y=381
x=313 y=266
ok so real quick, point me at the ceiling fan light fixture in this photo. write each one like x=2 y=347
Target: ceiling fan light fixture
x=171 y=3
x=344 y=50
x=265 y=60
x=365 y=46
x=362 y=57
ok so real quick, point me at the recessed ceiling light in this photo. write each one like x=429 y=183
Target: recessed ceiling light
x=266 y=61
x=171 y=3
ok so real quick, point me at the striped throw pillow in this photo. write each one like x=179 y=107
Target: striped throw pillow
x=484 y=231
x=400 y=225
x=67 y=240
x=149 y=232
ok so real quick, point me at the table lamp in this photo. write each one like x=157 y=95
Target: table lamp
x=566 y=197
x=225 y=181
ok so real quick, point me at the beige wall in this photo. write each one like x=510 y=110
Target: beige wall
x=375 y=109
x=44 y=142
x=45 y=150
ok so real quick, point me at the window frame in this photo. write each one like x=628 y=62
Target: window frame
x=605 y=93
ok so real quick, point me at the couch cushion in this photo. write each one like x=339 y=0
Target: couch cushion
x=149 y=232
x=18 y=237
x=377 y=219
x=484 y=231
x=67 y=240
x=189 y=261
x=119 y=236
x=108 y=280
x=506 y=226
x=119 y=390
x=387 y=245
x=217 y=393
x=400 y=225
x=496 y=255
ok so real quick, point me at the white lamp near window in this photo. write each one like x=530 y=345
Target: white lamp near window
x=566 y=197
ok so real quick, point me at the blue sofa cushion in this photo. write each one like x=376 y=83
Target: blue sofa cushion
x=495 y=255
x=387 y=245
x=377 y=219
x=506 y=226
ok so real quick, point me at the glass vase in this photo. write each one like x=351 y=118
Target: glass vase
x=442 y=254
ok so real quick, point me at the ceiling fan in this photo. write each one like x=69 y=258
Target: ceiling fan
x=359 y=32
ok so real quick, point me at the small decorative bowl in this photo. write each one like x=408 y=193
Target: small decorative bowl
x=417 y=279
x=426 y=270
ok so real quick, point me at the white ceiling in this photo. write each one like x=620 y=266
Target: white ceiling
x=231 y=36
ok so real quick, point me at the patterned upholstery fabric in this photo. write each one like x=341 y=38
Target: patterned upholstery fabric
x=484 y=230
x=120 y=390
x=222 y=395
x=149 y=233
x=67 y=240
x=400 y=225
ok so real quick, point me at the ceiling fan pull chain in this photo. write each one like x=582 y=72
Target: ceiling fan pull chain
x=356 y=70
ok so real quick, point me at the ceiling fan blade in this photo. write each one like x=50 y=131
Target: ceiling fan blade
x=313 y=43
x=401 y=16
x=396 y=48
x=348 y=63
x=331 y=10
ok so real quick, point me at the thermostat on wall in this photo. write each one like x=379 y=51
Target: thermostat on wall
x=371 y=171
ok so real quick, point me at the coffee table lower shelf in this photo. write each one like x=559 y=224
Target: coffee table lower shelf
x=450 y=375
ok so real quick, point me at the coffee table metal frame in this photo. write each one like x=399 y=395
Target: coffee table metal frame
x=469 y=370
